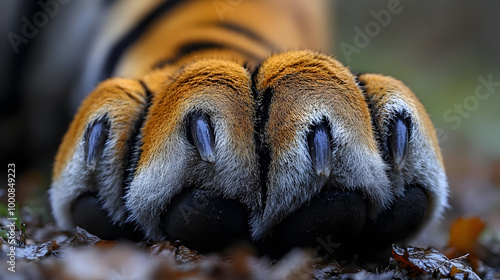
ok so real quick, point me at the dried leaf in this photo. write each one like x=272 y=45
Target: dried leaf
x=82 y=237
x=402 y=257
x=37 y=251
x=454 y=270
x=464 y=234
x=162 y=249
x=419 y=262
x=184 y=255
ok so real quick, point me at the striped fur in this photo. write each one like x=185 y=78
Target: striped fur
x=255 y=68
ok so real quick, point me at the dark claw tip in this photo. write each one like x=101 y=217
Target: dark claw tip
x=397 y=141
x=203 y=136
x=319 y=140
x=95 y=139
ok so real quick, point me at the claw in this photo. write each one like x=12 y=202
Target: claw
x=203 y=136
x=398 y=142
x=320 y=150
x=95 y=138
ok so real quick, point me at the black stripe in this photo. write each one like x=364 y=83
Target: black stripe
x=133 y=97
x=186 y=49
x=369 y=101
x=218 y=79
x=192 y=47
x=133 y=35
x=359 y=83
x=253 y=78
x=252 y=66
x=134 y=150
x=261 y=146
x=250 y=34
x=134 y=143
x=374 y=114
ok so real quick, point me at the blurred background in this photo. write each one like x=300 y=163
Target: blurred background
x=444 y=51
x=447 y=52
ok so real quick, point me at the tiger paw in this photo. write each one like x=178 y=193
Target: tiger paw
x=353 y=159
x=90 y=169
x=292 y=153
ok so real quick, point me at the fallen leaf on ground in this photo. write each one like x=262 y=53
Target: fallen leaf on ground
x=464 y=233
x=464 y=236
x=418 y=262
x=82 y=237
x=37 y=251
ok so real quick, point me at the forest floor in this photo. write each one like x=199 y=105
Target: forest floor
x=44 y=252
x=462 y=246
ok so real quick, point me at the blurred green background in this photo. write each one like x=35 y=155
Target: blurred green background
x=440 y=49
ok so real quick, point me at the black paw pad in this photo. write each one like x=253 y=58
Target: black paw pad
x=333 y=217
x=205 y=222
x=400 y=221
x=87 y=213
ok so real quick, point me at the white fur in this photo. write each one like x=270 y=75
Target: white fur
x=178 y=166
x=422 y=165
x=76 y=180
x=293 y=183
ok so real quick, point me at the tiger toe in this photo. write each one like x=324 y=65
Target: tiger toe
x=196 y=172
x=93 y=156
x=350 y=159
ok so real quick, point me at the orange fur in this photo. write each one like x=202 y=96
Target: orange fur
x=380 y=88
x=295 y=24
x=120 y=99
x=197 y=85
x=305 y=81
